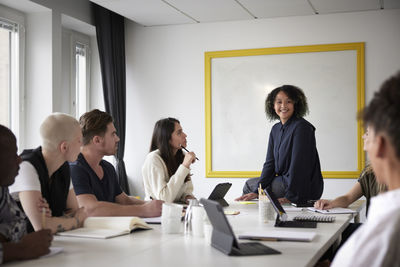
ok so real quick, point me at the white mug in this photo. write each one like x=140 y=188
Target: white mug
x=171 y=218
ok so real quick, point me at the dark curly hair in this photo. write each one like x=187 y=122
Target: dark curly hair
x=383 y=112
x=295 y=94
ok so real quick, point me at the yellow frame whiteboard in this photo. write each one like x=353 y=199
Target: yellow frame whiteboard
x=358 y=48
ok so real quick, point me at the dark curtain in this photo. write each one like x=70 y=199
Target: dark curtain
x=110 y=30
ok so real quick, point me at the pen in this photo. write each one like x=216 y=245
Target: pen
x=184 y=148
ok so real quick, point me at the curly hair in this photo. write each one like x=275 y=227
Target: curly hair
x=295 y=94
x=383 y=112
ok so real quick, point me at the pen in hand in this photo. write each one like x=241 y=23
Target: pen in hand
x=184 y=148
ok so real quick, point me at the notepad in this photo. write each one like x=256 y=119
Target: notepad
x=107 y=227
x=53 y=251
x=247 y=202
x=231 y=212
x=334 y=211
x=279 y=236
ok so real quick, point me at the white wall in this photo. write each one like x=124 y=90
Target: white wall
x=165 y=75
x=75 y=8
x=38 y=74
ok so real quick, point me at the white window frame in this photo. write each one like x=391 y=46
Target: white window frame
x=79 y=38
x=17 y=81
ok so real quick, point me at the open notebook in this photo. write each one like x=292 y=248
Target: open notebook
x=334 y=211
x=107 y=227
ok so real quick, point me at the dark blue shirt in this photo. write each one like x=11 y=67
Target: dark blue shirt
x=292 y=154
x=86 y=181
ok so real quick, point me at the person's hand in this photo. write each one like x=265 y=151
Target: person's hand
x=323 y=204
x=35 y=244
x=246 y=197
x=81 y=216
x=189 y=197
x=190 y=158
x=283 y=200
x=153 y=208
x=42 y=203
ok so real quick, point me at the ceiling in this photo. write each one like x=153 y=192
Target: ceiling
x=170 y=12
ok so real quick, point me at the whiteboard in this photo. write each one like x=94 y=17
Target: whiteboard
x=238 y=128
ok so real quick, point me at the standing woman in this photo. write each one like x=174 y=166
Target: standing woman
x=292 y=166
x=166 y=170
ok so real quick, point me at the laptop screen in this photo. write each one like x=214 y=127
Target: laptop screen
x=275 y=203
x=218 y=219
x=220 y=191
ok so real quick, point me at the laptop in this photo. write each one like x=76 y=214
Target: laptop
x=223 y=237
x=281 y=217
x=219 y=193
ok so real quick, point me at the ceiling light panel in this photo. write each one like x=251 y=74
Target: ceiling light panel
x=335 y=6
x=146 y=13
x=387 y=4
x=277 y=8
x=212 y=10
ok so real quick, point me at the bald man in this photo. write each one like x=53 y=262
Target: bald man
x=45 y=176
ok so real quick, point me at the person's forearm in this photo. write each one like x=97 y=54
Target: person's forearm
x=134 y=201
x=58 y=224
x=169 y=191
x=11 y=252
x=342 y=202
x=103 y=208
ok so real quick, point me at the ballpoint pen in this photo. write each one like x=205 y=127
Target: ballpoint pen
x=184 y=148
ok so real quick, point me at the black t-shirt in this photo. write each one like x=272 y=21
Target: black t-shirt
x=86 y=181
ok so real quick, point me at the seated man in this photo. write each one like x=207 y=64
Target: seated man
x=15 y=244
x=45 y=175
x=375 y=243
x=95 y=180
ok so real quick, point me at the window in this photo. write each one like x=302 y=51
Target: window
x=10 y=75
x=80 y=75
x=5 y=54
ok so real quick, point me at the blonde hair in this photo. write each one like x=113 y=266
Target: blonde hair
x=57 y=128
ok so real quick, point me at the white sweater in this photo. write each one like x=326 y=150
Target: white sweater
x=158 y=184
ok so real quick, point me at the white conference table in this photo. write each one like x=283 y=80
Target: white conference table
x=153 y=248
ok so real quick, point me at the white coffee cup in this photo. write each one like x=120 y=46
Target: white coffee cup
x=171 y=218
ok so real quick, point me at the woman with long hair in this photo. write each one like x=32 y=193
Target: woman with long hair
x=166 y=170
